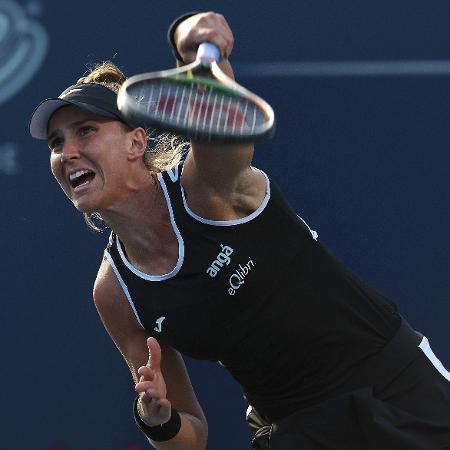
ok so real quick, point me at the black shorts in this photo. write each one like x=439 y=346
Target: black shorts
x=408 y=412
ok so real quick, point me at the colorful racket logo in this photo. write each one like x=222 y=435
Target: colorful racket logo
x=23 y=46
x=201 y=112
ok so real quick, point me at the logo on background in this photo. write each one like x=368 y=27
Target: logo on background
x=23 y=46
x=9 y=159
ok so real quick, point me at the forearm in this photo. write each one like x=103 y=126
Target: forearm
x=192 y=435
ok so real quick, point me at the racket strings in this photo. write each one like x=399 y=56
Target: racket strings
x=198 y=107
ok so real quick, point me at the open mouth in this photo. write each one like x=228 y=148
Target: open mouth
x=80 y=178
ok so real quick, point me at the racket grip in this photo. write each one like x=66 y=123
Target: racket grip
x=208 y=52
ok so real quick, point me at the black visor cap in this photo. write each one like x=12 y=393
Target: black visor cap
x=90 y=96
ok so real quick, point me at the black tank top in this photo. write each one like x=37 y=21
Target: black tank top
x=262 y=296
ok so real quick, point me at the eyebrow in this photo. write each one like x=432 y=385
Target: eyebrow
x=71 y=125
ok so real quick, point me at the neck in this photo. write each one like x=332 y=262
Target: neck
x=142 y=222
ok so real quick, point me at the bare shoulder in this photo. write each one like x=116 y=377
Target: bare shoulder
x=115 y=310
x=225 y=191
x=106 y=283
x=109 y=297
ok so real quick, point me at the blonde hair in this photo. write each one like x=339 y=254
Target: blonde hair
x=164 y=150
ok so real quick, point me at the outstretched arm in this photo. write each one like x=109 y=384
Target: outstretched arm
x=218 y=178
x=161 y=378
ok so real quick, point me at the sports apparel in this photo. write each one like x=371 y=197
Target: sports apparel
x=404 y=405
x=158 y=433
x=264 y=297
x=91 y=96
x=171 y=35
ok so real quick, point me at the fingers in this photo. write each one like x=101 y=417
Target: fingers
x=204 y=27
x=213 y=27
x=149 y=389
x=146 y=373
x=154 y=407
x=154 y=412
x=154 y=354
x=152 y=391
x=151 y=382
x=150 y=385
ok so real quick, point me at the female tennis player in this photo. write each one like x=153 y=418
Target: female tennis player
x=207 y=259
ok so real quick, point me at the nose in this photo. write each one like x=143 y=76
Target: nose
x=70 y=151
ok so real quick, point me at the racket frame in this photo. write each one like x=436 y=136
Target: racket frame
x=125 y=103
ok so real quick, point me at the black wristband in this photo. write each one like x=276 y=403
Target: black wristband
x=162 y=432
x=171 y=34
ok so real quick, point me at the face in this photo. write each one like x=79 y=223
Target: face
x=89 y=157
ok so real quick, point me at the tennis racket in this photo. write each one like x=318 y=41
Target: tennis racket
x=198 y=101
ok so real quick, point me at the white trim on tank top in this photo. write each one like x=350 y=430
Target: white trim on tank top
x=123 y=286
x=179 y=263
x=425 y=347
x=228 y=223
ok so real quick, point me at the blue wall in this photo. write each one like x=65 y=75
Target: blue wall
x=364 y=159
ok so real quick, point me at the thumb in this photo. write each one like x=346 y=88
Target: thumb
x=154 y=354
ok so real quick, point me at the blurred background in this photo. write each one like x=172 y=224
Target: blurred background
x=361 y=92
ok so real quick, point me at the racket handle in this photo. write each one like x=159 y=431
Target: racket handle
x=208 y=52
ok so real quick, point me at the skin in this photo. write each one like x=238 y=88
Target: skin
x=77 y=139
x=219 y=184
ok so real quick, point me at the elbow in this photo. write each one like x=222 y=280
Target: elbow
x=201 y=432
x=202 y=436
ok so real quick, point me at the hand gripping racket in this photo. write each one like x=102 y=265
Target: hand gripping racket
x=198 y=101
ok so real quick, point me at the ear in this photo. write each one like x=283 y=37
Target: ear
x=138 y=144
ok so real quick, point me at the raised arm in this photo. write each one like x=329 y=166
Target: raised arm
x=217 y=177
x=162 y=381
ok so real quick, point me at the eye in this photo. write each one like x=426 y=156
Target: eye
x=55 y=144
x=85 y=130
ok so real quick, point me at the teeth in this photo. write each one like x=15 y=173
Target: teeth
x=79 y=173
